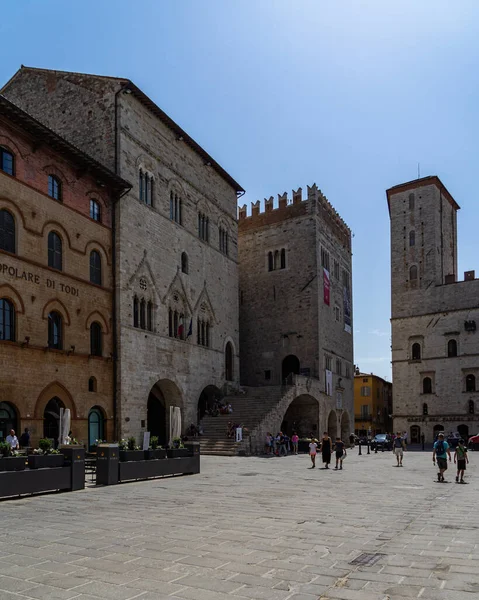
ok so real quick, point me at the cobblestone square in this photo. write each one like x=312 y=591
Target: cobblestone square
x=251 y=528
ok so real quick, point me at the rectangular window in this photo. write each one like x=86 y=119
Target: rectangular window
x=337 y=313
x=267 y=375
x=365 y=380
x=346 y=280
x=336 y=269
x=328 y=362
x=365 y=391
x=339 y=367
x=348 y=371
x=325 y=259
x=365 y=411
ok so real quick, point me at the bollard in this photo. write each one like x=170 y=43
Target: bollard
x=368 y=448
x=376 y=449
x=359 y=453
x=382 y=448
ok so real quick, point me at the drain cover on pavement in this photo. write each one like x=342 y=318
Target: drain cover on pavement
x=366 y=560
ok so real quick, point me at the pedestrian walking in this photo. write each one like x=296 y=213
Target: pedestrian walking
x=440 y=453
x=294 y=441
x=312 y=452
x=340 y=449
x=460 y=456
x=326 y=449
x=398 y=448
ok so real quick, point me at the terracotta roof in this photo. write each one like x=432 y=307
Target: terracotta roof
x=417 y=183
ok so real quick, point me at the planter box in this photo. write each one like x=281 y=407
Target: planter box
x=45 y=461
x=16 y=463
x=146 y=469
x=177 y=452
x=155 y=454
x=131 y=455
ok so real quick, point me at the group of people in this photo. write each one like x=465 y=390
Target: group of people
x=194 y=431
x=219 y=408
x=441 y=452
x=326 y=447
x=281 y=444
x=15 y=443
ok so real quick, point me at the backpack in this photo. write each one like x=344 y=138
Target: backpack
x=440 y=447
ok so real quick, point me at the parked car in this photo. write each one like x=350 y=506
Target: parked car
x=381 y=441
x=474 y=442
x=363 y=440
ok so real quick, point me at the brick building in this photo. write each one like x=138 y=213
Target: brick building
x=176 y=244
x=373 y=406
x=56 y=282
x=295 y=307
x=435 y=343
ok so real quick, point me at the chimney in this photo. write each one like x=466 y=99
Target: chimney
x=450 y=278
x=469 y=275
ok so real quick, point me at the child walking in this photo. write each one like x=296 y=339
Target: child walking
x=340 y=448
x=313 y=447
x=460 y=456
x=295 y=440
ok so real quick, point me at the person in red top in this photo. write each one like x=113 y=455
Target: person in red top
x=294 y=441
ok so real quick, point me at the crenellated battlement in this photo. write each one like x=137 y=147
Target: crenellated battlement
x=314 y=203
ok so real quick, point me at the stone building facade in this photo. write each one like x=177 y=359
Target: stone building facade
x=434 y=317
x=295 y=307
x=56 y=282
x=176 y=244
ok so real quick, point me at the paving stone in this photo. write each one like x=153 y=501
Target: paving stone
x=11 y=584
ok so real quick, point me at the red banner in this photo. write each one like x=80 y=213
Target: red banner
x=326 y=286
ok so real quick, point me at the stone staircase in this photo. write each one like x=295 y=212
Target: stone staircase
x=249 y=409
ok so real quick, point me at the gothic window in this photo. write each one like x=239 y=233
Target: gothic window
x=451 y=348
x=427 y=385
x=411 y=201
x=95 y=210
x=92 y=384
x=95 y=267
x=7 y=231
x=55 y=251
x=425 y=409
x=142 y=314
x=203 y=332
x=325 y=259
x=54 y=187
x=223 y=234
x=276 y=259
x=55 y=331
x=146 y=184
x=339 y=367
x=203 y=227
x=412 y=238
x=470 y=383
x=416 y=351
x=176 y=324
x=270 y=262
x=149 y=316
x=7 y=161
x=336 y=269
x=136 y=310
x=176 y=208
x=96 y=336
x=184 y=263
x=283 y=259
x=7 y=320
x=413 y=273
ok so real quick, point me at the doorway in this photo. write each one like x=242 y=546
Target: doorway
x=415 y=434
x=290 y=366
x=51 y=420
x=8 y=420
x=464 y=432
x=96 y=426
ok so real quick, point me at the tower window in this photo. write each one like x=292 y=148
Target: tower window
x=470 y=383
x=184 y=263
x=411 y=201
x=451 y=348
x=425 y=410
x=412 y=238
x=96 y=336
x=416 y=351
x=95 y=211
x=203 y=227
x=54 y=187
x=176 y=208
x=146 y=183
x=427 y=385
x=413 y=273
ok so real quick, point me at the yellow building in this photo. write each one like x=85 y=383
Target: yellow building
x=372 y=404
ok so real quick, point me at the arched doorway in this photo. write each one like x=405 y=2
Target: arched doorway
x=163 y=395
x=290 y=366
x=463 y=431
x=437 y=429
x=207 y=400
x=332 y=425
x=8 y=420
x=229 y=362
x=345 y=427
x=415 y=434
x=51 y=420
x=96 y=426
x=301 y=416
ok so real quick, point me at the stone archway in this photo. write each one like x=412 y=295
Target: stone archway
x=332 y=425
x=345 y=427
x=289 y=366
x=206 y=402
x=302 y=417
x=51 y=419
x=163 y=395
x=8 y=420
x=463 y=431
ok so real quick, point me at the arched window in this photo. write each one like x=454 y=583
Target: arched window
x=92 y=384
x=470 y=383
x=413 y=273
x=184 y=263
x=283 y=259
x=451 y=348
x=471 y=407
x=412 y=238
x=135 y=312
x=270 y=262
x=7 y=231
x=54 y=187
x=96 y=336
x=142 y=314
x=276 y=259
x=55 y=331
x=54 y=251
x=96 y=426
x=425 y=410
x=176 y=208
x=95 y=210
x=7 y=161
x=411 y=201
x=427 y=385
x=146 y=188
x=7 y=320
x=203 y=227
x=149 y=316
x=229 y=362
x=95 y=267
x=416 y=351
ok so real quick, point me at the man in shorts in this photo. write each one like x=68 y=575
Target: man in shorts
x=440 y=453
x=398 y=449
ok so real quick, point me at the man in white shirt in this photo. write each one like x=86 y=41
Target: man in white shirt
x=12 y=440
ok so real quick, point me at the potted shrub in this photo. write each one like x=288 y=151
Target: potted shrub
x=130 y=451
x=177 y=450
x=45 y=457
x=155 y=451
x=9 y=459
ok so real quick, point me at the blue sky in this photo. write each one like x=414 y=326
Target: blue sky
x=283 y=93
